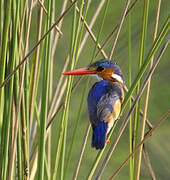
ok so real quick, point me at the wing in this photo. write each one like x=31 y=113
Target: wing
x=108 y=108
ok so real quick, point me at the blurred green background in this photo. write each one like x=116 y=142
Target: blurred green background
x=158 y=145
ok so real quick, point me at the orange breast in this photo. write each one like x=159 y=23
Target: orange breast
x=115 y=114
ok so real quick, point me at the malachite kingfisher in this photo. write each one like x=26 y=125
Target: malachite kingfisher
x=104 y=98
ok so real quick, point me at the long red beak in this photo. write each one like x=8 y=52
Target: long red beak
x=81 y=71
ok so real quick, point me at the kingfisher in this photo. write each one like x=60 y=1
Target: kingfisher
x=104 y=98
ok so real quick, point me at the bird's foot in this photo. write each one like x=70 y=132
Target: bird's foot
x=108 y=141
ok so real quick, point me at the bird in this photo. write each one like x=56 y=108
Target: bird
x=104 y=98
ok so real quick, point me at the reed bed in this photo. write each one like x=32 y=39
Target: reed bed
x=44 y=126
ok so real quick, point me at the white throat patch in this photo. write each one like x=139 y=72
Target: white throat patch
x=117 y=77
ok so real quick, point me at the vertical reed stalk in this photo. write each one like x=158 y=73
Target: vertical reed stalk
x=3 y=122
x=34 y=73
x=19 y=165
x=141 y=55
x=129 y=84
x=45 y=96
x=7 y=14
x=147 y=96
x=1 y=24
x=15 y=20
x=18 y=108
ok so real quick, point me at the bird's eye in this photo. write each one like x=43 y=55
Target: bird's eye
x=99 y=69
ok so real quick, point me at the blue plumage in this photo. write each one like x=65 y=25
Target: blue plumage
x=99 y=135
x=111 y=92
x=104 y=98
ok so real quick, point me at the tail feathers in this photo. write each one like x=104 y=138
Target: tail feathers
x=99 y=135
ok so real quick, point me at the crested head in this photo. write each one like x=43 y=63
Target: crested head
x=107 y=70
